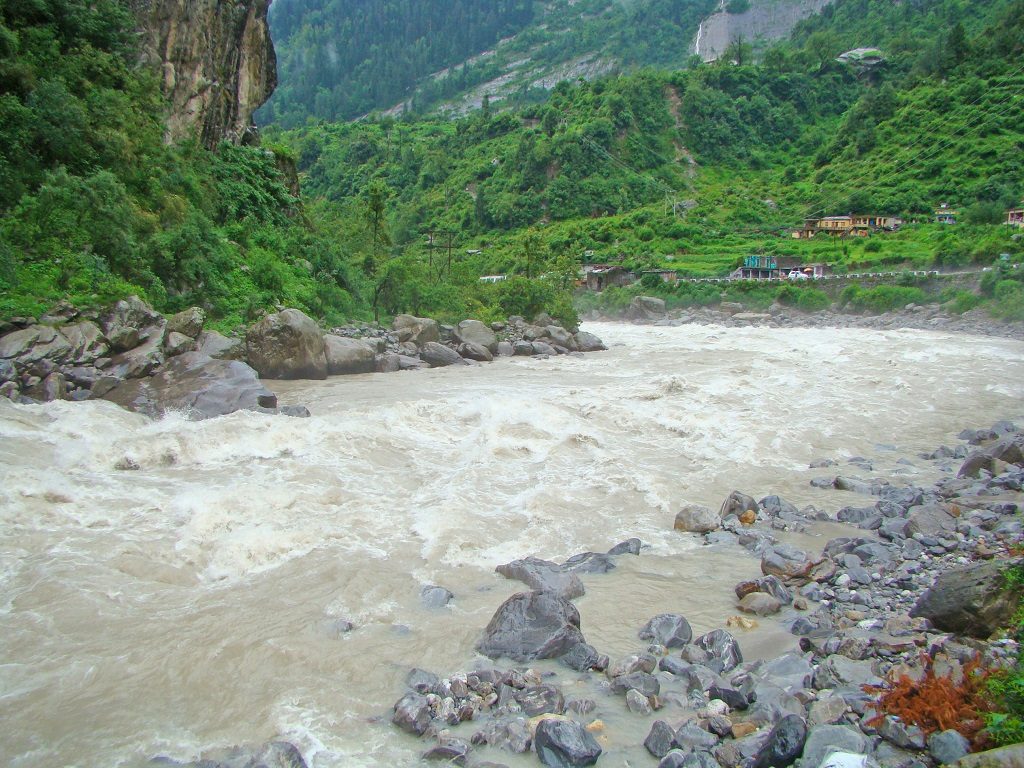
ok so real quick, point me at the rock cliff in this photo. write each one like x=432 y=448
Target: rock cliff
x=216 y=63
x=765 y=20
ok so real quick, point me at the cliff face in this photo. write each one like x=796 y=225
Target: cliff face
x=216 y=62
x=766 y=20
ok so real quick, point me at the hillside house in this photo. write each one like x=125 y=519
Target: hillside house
x=945 y=215
x=765 y=267
x=854 y=225
x=601 y=276
x=665 y=275
x=1015 y=217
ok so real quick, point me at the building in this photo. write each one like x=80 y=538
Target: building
x=853 y=225
x=946 y=215
x=601 y=276
x=1015 y=217
x=759 y=267
x=666 y=275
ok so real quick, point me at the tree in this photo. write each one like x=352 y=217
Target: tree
x=373 y=265
x=531 y=249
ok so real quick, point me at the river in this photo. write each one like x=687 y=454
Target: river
x=173 y=586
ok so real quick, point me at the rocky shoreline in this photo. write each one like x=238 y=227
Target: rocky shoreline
x=915 y=590
x=132 y=355
x=651 y=310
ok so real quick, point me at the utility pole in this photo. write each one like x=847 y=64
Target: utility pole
x=441 y=238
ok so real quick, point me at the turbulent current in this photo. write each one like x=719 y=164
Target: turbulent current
x=173 y=586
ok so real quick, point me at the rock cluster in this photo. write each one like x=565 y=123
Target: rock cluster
x=916 y=584
x=143 y=361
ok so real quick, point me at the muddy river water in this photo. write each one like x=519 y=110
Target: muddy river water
x=171 y=586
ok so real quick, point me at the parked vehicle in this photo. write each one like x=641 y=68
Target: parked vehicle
x=796 y=274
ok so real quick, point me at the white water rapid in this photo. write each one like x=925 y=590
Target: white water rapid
x=193 y=602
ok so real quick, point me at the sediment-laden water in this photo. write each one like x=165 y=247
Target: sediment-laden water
x=171 y=586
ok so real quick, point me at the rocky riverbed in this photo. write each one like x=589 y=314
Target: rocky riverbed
x=134 y=356
x=652 y=310
x=917 y=588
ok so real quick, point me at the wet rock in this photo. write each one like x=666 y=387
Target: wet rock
x=644 y=682
x=432 y=596
x=437 y=355
x=422 y=681
x=543 y=348
x=389 y=362
x=737 y=503
x=735 y=699
x=584 y=657
x=477 y=352
x=720 y=645
x=776 y=506
x=635 y=662
x=736 y=752
x=194 y=384
x=505 y=349
x=637 y=703
x=696 y=518
x=671 y=630
x=771 y=585
x=589 y=562
x=540 y=699
x=532 y=625
x=348 y=356
x=661 y=739
x=760 y=604
x=1004 y=757
x=53 y=387
x=417 y=330
x=645 y=308
x=543 y=576
x=176 y=343
x=522 y=348
x=188 y=322
x=565 y=744
x=127 y=324
x=786 y=562
x=948 y=746
x=784 y=745
x=972 y=600
x=287 y=345
x=451 y=751
x=412 y=714
x=690 y=736
x=930 y=520
x=473 y=332
x=588 y=342
x=510 y=734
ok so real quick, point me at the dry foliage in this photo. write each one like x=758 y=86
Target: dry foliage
x=936 y=703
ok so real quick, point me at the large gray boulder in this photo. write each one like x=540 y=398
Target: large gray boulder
x=930 y=520
x=473 y=351
x=973 y=600
x=143 y=359
x=475 y=332
x=696 y=518
x=418 y=330
x=78 y=343
x=437 y=355
x=345 y=356
x=196 y=385
x=532 y=625
x=588 y=342
x=646 y=308
x=287 y=345
x=565 y=744
x=556 y=334
x=220 y=347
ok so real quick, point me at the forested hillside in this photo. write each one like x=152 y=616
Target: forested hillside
x=339 y=59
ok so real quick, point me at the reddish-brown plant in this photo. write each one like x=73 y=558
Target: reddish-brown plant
x=937 y=703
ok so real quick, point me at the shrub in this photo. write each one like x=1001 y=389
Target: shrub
x=813 y=300
x=1009 y=300
x=884 y=298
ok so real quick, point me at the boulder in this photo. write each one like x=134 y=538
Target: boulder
x=389 y=362
x=418 y=330
x=784 y=745
x=437 y=355
x=661 y=739
x=141 y=360
x=720 y=645
x=8 y=371
x=505 y=349
x=347 y=356
x=188 y=322
x=220 y=347
x=696 y=518
x=930 y=520
x=737 y=503
x=588 y=342
x=1009 y=450
x=565 y=744
x=948 y=746
x=786 y=562
x=646 y=308
x=760 y=604
x=1004 y=757
x=54 y=387
x=406 y=363
x=532 y=625
x=472 y=351
x=433 y=596
x=556 y=334
x=668 y=629
x=540 y=699
x=973 y=600
x=195 y=384
x=412 y=714
x=176 y=343
x=522 y=348
x=543 y=348
x=543 y=576
x=475 y=332
x=822 y=740
x=287 y=345
x=127 y=323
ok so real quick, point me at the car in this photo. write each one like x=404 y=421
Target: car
x=796 y=274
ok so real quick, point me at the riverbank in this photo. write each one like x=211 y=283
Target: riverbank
x=651 y=310
x=911 y=593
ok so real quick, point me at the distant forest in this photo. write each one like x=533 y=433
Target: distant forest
x=346 y=57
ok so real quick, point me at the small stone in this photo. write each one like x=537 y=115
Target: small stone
x=948 y=747
x=739 y=730
x=749 y=517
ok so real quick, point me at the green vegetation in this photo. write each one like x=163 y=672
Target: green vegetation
x=1006 y=725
